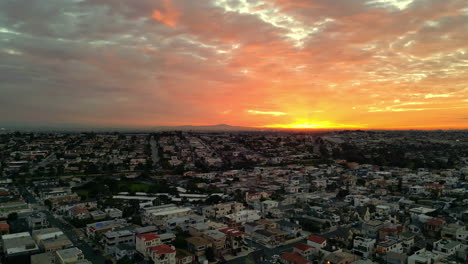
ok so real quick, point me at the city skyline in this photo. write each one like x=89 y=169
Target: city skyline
x=321 y=64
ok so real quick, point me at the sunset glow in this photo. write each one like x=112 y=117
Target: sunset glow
x=316 y=125
x=301 y=64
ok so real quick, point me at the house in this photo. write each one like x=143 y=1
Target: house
x=80 y=213
x=250 y=197
x=316 y=242
x=184 y=222
x=446 y=247
x=111 y=239
x=37 y=220
x=217 y=239
x=303 y=249
x=51 y=239
x=251 y=227
x=198 y=228
x=371 y=228
x=363 y=247
x=121 y=251
x=391 y=230
x=158 y=215
x=4 y=228
x=184 y=257
x=407 y=240
x=222 y=209
x=382 y=210
x=19 y=244
x=113 y=213
x=450 y=231
x=266 y=206
x=98 y=215
x=291 y=228
x=265 y=237
x=198 y=245
x=340 y=258
x=396 y=258
x=293 y=258
x=424 y=256
x=144 y=241
x=167 y=238
x=43 y=258
x=389 y=245
x=241 y=217
x=235 y=242
x=433 y=227
x=101 y=227
x=162 y=254
x=69 y=255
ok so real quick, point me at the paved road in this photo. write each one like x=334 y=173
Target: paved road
x=263 y=255
x=71 y=232
x=28 y=197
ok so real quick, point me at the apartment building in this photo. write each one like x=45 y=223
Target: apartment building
x=111 y=239
x=162 y=254
x=220 y=210
x=363 y=247
x=158 y=215
x=144 y=241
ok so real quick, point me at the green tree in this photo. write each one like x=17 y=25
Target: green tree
x=48 y=203
x=209 y=253
x=12 y=217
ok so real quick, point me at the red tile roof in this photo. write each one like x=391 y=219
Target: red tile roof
x=435 y=222
x=302 y=247
x=317 y=239
x=231 y=232
x=147 y=236
x=294 y=258
x=162 y=249
x=435 y=185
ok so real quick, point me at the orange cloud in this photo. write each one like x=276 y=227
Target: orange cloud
x=168 y=15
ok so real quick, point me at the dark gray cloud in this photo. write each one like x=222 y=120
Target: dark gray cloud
x=160 y=62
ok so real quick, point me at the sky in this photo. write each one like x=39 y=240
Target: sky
x=370 y=64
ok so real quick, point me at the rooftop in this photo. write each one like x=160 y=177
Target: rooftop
x=147 y=236
x=295 y=258
x=302 y=247
x=316 y=239
x=231 y=232
x=162 y=249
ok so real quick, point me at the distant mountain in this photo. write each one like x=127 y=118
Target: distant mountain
x=219 y=127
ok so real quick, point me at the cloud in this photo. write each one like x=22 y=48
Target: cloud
x=151 y=62
x=427 y=96
x=255 y=112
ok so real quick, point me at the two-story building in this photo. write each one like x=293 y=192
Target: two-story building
x=144 y=241
x=363 y=247
x=162 y=254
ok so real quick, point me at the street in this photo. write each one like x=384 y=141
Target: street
x=70 y=231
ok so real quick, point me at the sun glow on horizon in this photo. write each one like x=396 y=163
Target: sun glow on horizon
x=315 y=125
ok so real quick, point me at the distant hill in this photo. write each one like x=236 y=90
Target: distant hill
x=219 y=127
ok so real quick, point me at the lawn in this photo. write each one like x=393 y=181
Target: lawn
x=138 y=187
x=83 y=192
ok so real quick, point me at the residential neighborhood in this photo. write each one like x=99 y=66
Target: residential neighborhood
x=180 y=197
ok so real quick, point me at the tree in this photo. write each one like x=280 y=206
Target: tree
x=209 y=253
x=12 y=217
x=48 y=203
x=125 y=260
x=342 y=193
